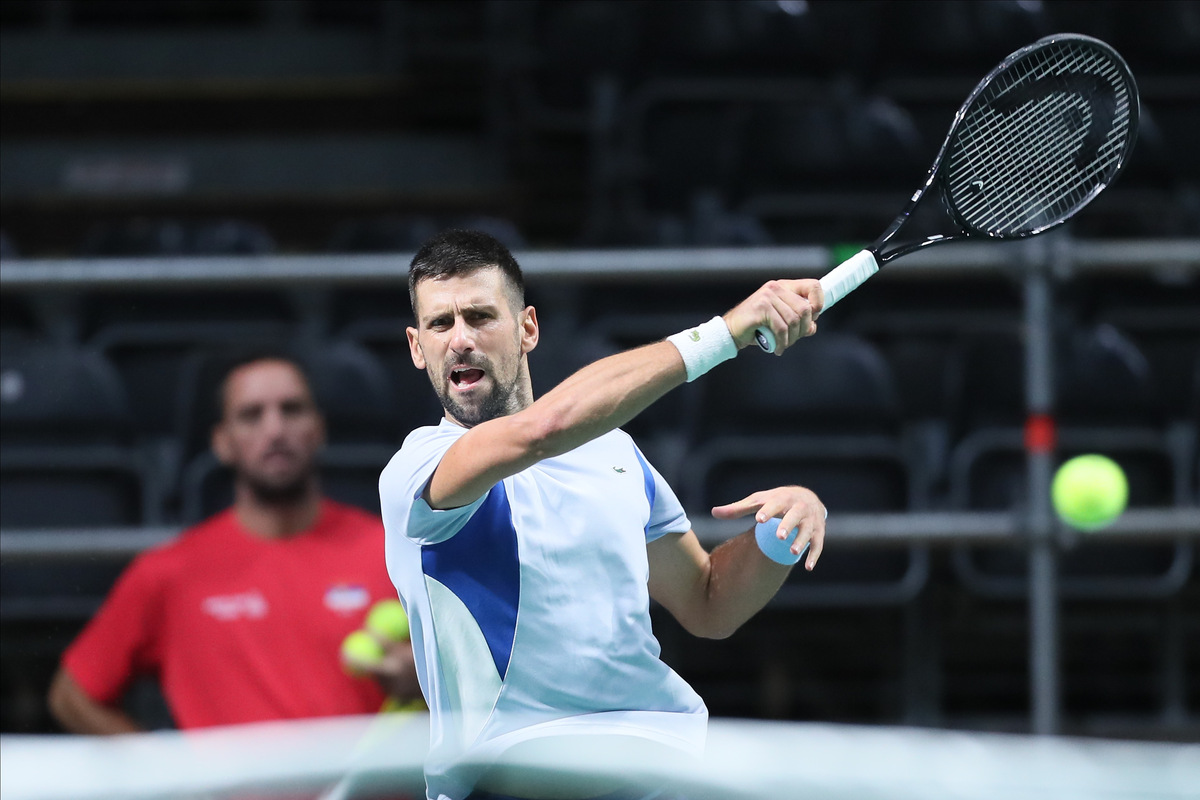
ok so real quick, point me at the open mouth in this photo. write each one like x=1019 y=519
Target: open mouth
x=465 y=377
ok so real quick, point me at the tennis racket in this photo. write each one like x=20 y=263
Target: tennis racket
x=1040 y=136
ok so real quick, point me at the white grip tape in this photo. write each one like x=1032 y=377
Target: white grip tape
x=848 y=276
x=837 y=283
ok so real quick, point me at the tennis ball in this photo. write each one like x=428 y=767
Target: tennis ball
x=1089 y=492
x=388 y=621
x=360 y=652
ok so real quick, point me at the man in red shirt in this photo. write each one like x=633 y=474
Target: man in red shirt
x=241 y=618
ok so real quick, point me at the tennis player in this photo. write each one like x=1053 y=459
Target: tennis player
x=527 y=538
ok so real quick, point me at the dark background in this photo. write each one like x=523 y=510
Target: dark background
x=332 y=127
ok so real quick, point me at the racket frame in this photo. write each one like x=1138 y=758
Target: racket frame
x=848 y=275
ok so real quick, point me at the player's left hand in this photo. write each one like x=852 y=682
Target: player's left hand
x=797 y=506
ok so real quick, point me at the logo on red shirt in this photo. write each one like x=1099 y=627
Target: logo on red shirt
x=230 y=607
x=346 y=598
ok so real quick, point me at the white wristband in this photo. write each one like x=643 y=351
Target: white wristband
x=704 y=346
x=774 y=548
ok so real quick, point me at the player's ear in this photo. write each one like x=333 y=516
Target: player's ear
x=529 y=329
x=414 y=348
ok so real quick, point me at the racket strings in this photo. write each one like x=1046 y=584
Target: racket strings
x=1039 y=147
x=1038 y=177
x=1015 y=172
x=1059 y=191
x=1036 y=146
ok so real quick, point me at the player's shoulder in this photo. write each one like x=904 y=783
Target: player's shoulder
x=443 y=431
x=617 y=440
x=419 y=444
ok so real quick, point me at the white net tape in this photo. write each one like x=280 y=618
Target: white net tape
x=364 y=756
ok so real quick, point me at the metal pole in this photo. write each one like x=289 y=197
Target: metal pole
x=1040 y=445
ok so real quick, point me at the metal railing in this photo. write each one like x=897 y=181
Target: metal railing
x=1036 y=263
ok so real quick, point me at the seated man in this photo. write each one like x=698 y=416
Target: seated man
x=241 y=618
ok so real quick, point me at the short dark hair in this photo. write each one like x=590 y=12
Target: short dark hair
x=230 y=362
x=458 y=252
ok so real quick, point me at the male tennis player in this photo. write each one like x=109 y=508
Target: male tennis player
x=528 y=537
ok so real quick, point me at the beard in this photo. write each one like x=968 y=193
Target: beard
x=271 y=493
x=500 y=401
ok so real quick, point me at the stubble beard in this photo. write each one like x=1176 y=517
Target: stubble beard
x=278 y=494
x=501 y=401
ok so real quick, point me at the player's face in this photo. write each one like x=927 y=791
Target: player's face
x=270 y=431
x=471 y=338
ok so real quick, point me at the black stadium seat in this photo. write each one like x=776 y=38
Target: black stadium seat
x=68 y=457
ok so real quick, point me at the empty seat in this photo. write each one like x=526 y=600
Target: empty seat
x=356 y=393
x=67 y=455
x=830 y=384
x=988 y=471
x=60 y=394
x=1101 y=379
x=826 y=417
x=143 y=236
x=385 y=234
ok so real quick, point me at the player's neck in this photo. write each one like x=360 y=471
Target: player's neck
x=277 y=520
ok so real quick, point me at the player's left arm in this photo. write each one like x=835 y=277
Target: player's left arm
x=713 y=594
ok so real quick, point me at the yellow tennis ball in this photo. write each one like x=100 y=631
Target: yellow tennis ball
x=388 y=621
x=361 y=652
x=1089 y=492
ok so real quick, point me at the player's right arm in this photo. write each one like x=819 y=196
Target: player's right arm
x=605 y=395
x=77 y=712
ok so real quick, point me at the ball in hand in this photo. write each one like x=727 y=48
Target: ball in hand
x=388 y=621
x=1089 y=492
x=361 y=652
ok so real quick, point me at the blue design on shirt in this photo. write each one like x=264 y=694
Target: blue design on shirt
x=648 y=480
x=480 y=565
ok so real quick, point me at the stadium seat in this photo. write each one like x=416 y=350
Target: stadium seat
x=144 y=236
x=1106 y=403
x=17 y=318
x=59 y=394
x=828 y=419
x=8 y=248
x=68 y=455
x=385 y=234
x=355 y=392
x=988 y=472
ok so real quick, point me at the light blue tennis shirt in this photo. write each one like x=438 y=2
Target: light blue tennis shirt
x=529 y=609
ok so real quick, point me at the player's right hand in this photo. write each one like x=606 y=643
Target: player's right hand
x=789 y=308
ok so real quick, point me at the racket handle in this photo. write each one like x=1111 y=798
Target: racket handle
x=837 y=283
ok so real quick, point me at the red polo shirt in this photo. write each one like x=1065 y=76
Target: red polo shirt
x=237 y=628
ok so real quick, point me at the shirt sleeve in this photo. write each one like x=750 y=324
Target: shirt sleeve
x=666 y=512
x=403 y=483
x=121 y=641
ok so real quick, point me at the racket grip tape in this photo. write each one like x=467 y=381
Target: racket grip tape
x=837 y=283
